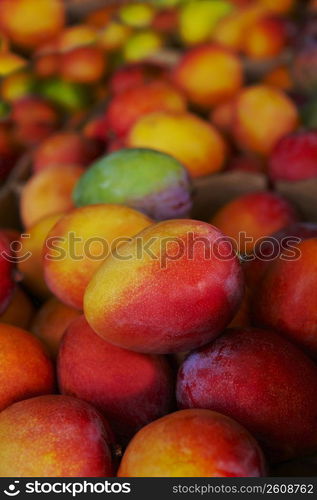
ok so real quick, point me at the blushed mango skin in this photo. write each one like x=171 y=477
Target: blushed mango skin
x=266 y=38
x=50 y=323
x=64 y=148
x=54 y=436
x=294 y=158
x=232 y=30
x=193 y=443
x=35 y=118
x=79 y=35
x=276 y=115
x=31 y=268
x=30 y=23
x=166 y=21
x=85 y=65
x=280 y=77
x=10 y=234
x=222 y=115
x=26 y=370
x=128 y=106
x=208 y=75
x=286 y=298
x=256 y=214
x=150 y=303
x=47 y=65
x=191 y=140
x=280 y=7
x=129 y=388
x=133 y=75
x=100 y=17
x=48 y=192
x=262 y=381
x=96 y=228
x=281 y=245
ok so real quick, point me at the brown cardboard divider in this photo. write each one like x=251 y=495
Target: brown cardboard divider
x=303 y=194
x=212 y=192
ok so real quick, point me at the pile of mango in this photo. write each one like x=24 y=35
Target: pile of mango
x=134 y=339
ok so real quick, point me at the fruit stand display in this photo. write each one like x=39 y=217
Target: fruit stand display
x=158 y=238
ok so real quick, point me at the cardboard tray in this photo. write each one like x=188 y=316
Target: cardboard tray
x=303 y=195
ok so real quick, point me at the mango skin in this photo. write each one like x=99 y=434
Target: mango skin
x=266 y=39
x=35 y=119
x=25 y=368
x=9 y=63
x=197 y=20
x=257 y=214
x=282 y=247
x=286 y=297
x=31 y=268
x=128 y=106
x=193 y=443
x=65 y=148
x=193 y=141
x=50 y=323
x=277 y=116
x=149 y=181
x=48 y=192
x=142 y=301
x=141 y=45
x=30 y=23
x=83 y=65
x=79 y=242
x=137 y=15
x=294 y=158
x=133 y=390
x=261 y=380
x=209 y=74
x=54 y=436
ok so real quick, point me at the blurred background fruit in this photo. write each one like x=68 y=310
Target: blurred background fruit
x=193 y=141
x=209 y=75
x=30 y=23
